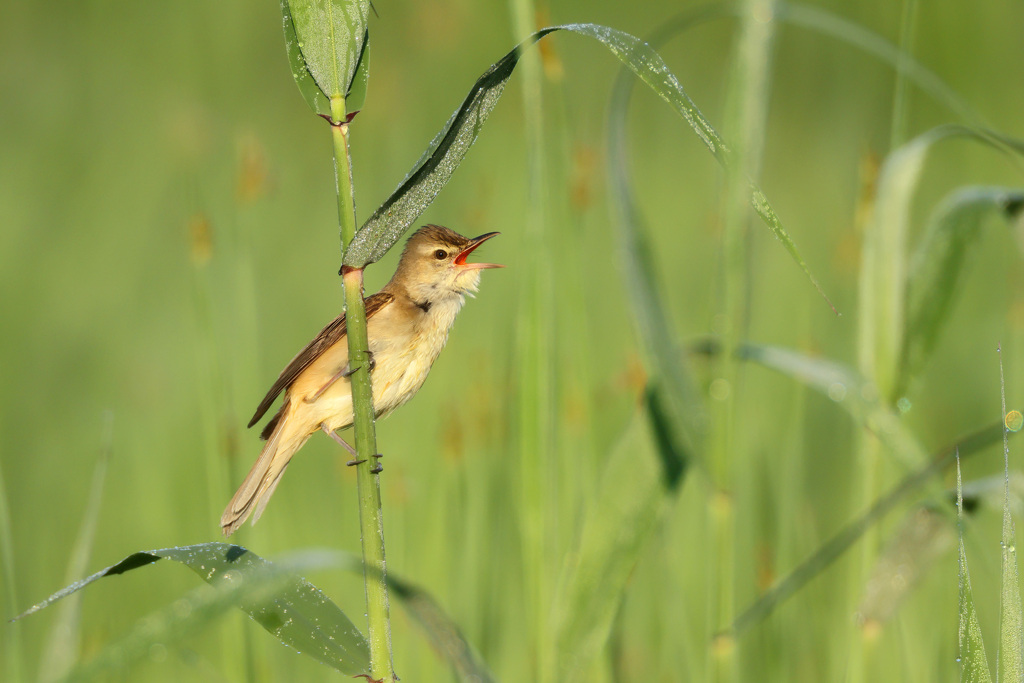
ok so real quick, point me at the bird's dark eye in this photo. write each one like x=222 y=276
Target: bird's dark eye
x=440 y=254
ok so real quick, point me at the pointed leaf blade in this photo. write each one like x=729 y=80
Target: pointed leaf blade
x=308 y=88
x=289 y=607
x=325 y=40
x=435 y=168
x=973 y=661
x=938 y=265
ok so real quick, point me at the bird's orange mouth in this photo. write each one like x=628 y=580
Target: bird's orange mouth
x=460 y=260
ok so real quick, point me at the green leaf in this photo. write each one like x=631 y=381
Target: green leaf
x=357 y=90
x=310 y=91
x=633 y=494
x=973 y=661
x=853 y=393
x=938 y=265
x=883 y=263
x=441 y=632
x=430 y=174
x=289 y=607
x=325 y=40
x=437 y=164
x=883 y=276
x=834 y=26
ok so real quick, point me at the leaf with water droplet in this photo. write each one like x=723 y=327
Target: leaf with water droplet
x=446 y=151
x=327 y=43
x=284 y=604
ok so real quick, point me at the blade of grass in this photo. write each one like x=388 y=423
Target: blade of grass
x=745 y=116
x=898 y=123
x=1010 y=656
x=829 y=24
x=289 y=607
x=390 y=221
x=443 y=634
x=439 y=629
x=841 y=542
x=938 y=264
x=973 y=661
x=843 y=385
x=883 y=278
x=640 y=479
x=62 y=649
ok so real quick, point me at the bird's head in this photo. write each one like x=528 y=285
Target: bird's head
x=434 y=265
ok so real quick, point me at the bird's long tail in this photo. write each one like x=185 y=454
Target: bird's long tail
x=254 y=493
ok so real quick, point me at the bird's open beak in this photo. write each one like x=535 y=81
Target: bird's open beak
x=460 y=260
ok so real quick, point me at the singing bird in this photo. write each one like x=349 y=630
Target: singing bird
x=407 y=325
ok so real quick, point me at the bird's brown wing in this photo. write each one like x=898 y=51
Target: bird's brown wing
x=327 y=338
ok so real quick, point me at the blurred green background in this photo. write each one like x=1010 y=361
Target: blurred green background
x=169 y=240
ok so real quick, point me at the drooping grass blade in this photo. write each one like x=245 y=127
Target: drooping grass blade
x=289 y=607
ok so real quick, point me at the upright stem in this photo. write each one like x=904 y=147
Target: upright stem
x=746 y=109
x=371 y=519
x=536 y=389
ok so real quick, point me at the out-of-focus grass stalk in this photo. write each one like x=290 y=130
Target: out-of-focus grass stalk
x=535 y=405
x=13 y=667
x=220 y=470
x=746 y=110
x=371 y=518
x=898 y=127
x=885 y=254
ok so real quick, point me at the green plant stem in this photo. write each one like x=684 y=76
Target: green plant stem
x=535 y=396
x=898 y=129
x=371 y=519
x=343 y=173
x=745 y=116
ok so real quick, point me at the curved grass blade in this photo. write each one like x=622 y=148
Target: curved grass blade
x=938 y=264
x=435 y=167
x=287 y=606
x=326 y=41
x=678 y=398
x=883 y=277
x=829 y=24
x=390 y=221
x=834 y=548
x=443 y=634
x=973 y=661
x=843 y=385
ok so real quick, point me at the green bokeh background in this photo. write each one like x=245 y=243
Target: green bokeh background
x=168 y=240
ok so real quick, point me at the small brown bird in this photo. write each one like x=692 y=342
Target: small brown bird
x=407 y=324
